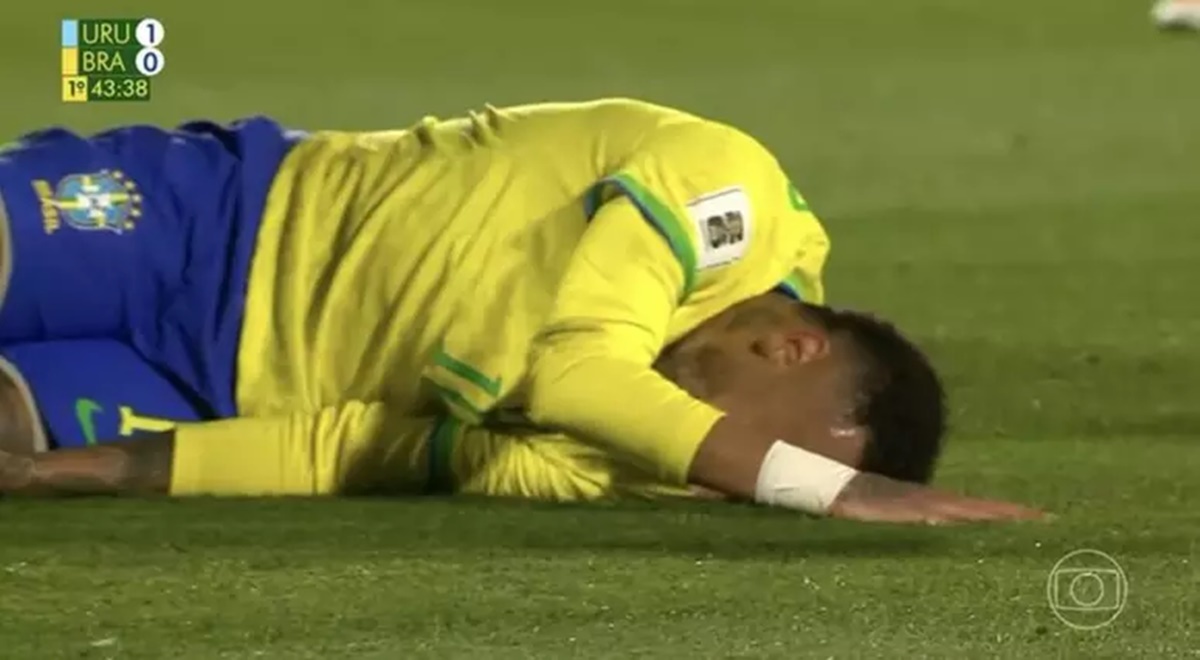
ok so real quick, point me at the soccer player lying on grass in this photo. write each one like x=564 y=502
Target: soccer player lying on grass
x=51 y=399
x=319 y=294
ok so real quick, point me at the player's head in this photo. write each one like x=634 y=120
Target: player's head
x=842 y=383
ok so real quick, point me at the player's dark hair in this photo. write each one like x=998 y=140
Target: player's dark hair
x=901 y=399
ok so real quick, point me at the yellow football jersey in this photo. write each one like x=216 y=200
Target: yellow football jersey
x=531 y=260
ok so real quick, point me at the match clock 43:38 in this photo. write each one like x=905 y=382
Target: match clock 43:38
x=109 y=88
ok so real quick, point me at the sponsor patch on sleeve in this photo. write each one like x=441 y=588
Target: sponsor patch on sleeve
x=724 y=224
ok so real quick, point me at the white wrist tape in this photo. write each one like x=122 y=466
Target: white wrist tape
x=794 y=478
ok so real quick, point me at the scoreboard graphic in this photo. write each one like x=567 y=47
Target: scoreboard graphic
x=110 y=59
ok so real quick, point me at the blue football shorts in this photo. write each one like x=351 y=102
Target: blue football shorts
x=86 y=391
x=140 y=236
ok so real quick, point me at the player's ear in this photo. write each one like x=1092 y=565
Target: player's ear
x=788 y=346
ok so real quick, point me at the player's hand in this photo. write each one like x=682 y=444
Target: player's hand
x=15 y=472
x=874 y=498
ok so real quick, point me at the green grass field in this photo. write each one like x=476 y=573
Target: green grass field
x=1018 y=183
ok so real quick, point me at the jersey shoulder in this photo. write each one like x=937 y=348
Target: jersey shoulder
x=718 y=197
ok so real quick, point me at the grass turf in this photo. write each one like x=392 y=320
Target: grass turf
x=1014 y=182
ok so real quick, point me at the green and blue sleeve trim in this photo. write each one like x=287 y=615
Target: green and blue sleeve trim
x=467 y=373
x=658 y=214
x=465 y=389
x=793 y=286
x=461 y=406
x=797 y=200
x=440 y=449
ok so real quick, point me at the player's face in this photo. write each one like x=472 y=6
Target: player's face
x=762 y=362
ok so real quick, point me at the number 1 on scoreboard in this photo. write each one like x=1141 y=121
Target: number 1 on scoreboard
x=75 y=89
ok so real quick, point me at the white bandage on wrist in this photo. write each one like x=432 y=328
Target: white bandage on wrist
x=795 y=478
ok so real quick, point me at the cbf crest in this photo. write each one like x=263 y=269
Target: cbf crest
x=106 y=200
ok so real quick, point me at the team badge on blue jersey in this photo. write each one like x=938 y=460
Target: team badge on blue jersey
x=98 y=201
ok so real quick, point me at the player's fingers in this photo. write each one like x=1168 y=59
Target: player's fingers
x=969 y=509
x=949 y=507
x=934 y=508
x=889 y=512
x=938 y=508
x=930 y=512
x=910 y=510
x=1011 y=510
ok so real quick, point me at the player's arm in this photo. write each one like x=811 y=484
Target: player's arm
x=350 y=448
x=147 y=466
x=642 y=261
x=440 y=452
x=593 y=378
x=591 y=374
x=142 y=465
x=437 y=455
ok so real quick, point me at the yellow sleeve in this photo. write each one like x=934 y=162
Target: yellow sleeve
x=348 y=449
x=533 y=465
x=498 y=464
x=591 y=369
x=696 y=220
